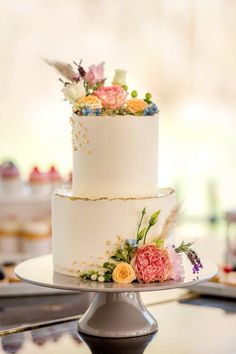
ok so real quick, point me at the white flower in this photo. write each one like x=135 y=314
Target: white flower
x=119 y=77
x=74 y=91
x=94 y=277
x=101 y=279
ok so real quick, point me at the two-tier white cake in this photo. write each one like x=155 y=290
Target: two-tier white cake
x=115 y=180
x=115 y=175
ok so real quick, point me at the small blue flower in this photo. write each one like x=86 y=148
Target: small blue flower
x=154 y=109
x=151 y=110
x=147 y=112
x=97 y=111
x=131 y=242
x=86 y=111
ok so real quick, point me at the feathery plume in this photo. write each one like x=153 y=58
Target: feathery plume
x=66 y=70
x=171 y=222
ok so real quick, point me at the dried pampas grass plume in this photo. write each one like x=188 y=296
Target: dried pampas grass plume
x=66 y=70
x=171 y=222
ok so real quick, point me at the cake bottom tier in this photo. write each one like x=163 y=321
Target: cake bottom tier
x=85 y=230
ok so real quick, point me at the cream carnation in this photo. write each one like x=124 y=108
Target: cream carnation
x=112 y=97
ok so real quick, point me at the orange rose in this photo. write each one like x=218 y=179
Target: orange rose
x=136 y=105
x=90 y=101
x=123 y=273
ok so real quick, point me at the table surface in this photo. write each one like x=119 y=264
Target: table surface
x=187 y=325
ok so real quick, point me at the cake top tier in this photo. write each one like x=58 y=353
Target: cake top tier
x=89 y=94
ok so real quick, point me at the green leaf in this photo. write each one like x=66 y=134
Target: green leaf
x=141 y=234
x=109 y=266
x=159 y=242
x=184 y=247
x=144 y=211
x=86 y=275
x=154 y=217
x=108 y=276
x=119 y=256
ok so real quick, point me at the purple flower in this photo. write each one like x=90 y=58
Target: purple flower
x=195 y=260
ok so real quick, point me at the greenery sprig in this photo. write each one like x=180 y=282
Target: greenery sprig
x=142 y=234
x=184 y=247
x=124 y=253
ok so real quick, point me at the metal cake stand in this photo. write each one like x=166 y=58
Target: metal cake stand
x=117 y=310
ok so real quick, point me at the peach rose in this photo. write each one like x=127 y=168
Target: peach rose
x=136 y=105
x=90 y=101
x=112 y=97
x=123 y=273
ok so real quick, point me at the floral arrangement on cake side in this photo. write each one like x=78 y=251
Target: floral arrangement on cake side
x=87 y=92
x=146 y=262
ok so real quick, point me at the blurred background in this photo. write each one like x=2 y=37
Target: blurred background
x=181 y=51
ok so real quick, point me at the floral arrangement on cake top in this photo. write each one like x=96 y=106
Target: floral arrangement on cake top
x=87 y=92
x=146 y=262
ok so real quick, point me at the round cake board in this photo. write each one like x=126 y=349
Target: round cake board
x=117 y=310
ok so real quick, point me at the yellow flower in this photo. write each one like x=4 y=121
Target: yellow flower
x=136 y=105
x=123 y=273
x=90 y=101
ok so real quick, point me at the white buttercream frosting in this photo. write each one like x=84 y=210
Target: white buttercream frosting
x=115 y=156
x=83 y=229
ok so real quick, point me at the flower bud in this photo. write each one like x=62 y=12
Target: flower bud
x=101 y=279
x=94 y=277
x=119 y=78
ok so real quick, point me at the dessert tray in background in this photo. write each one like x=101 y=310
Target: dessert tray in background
x=25 y=223
x=224 y=283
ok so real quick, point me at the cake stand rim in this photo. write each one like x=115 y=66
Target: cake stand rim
x=89 y=286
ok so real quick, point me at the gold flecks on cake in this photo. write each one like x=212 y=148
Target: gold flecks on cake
x=79 y=135
x=68 y=194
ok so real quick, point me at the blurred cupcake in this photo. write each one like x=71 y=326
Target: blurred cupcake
x=36 y=238
x=9 y=236
x=10 y=179
x=39 y=182
x=54 y=177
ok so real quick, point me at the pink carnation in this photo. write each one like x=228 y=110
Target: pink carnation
x=112 y=97
x=177 y=271
x=95 y=74
x=152 y=264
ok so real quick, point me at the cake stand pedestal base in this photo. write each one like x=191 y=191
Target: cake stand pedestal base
x=117 y=315
x=117 y=310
